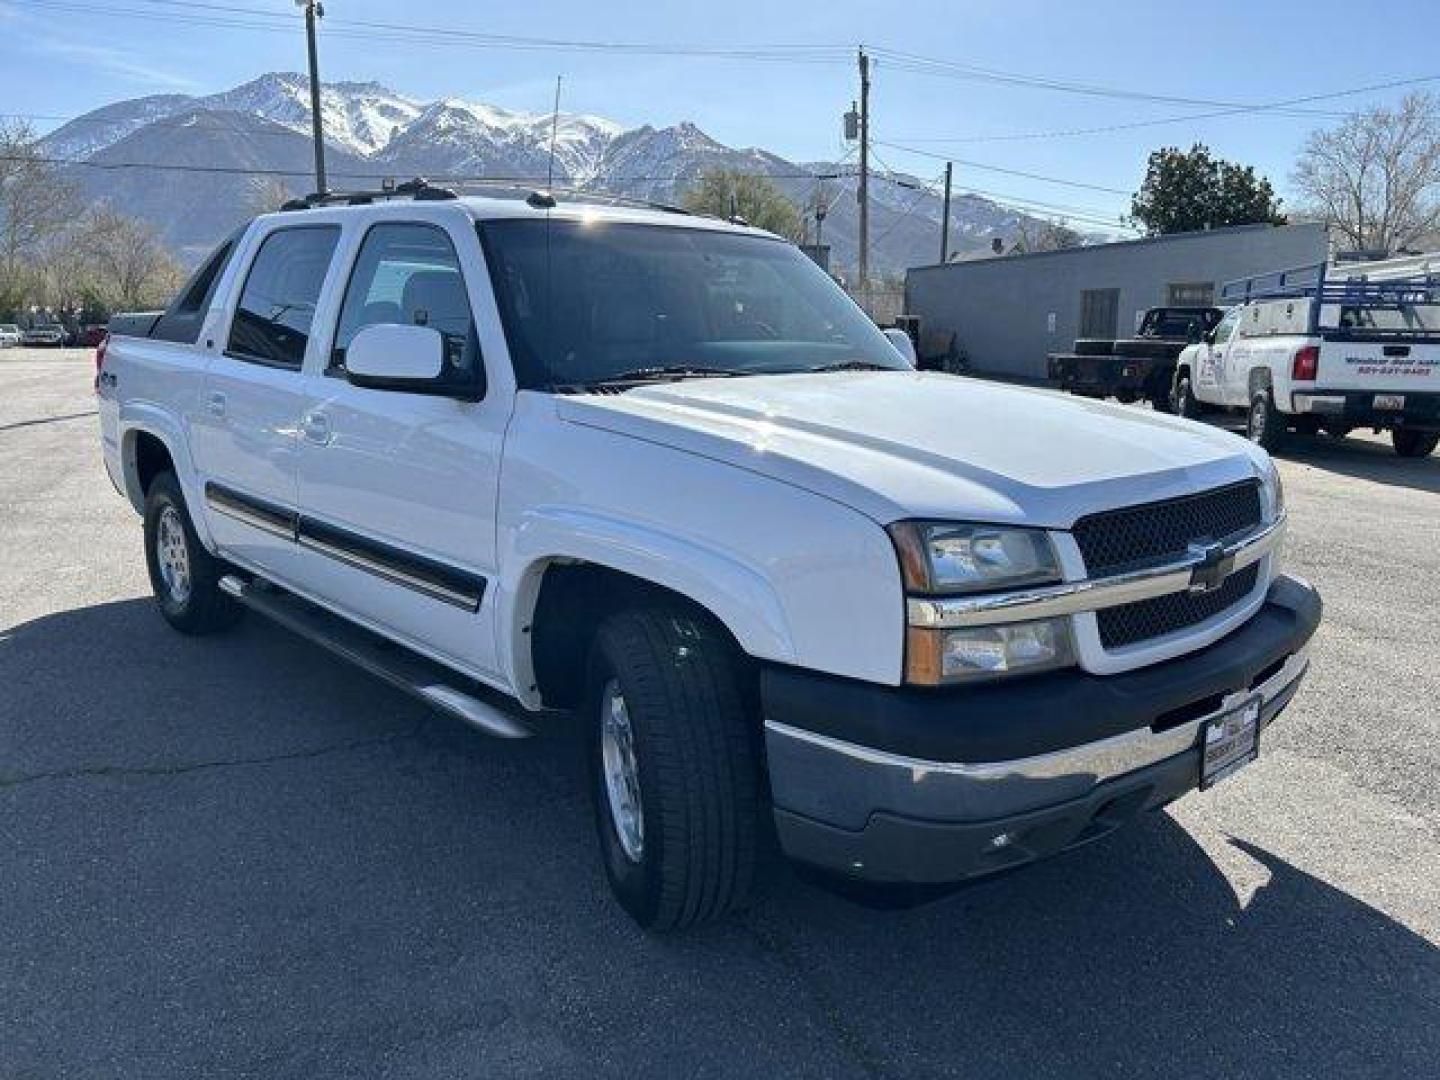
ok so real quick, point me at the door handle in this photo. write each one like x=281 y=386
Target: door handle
x=316 y=427
x=215 y=403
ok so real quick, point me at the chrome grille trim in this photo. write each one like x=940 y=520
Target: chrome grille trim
x=1093 y=594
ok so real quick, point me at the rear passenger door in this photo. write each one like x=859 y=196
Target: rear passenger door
x=245 y=430
x=397 y=488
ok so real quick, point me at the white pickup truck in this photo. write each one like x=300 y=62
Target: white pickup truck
x=655 y=475
x=1307 y=352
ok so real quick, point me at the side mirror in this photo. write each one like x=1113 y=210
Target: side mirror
x=902 y=343
x=1208 y=337
x=393 y=356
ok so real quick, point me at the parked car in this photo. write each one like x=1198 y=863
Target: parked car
x=654 y=476
x=44 y=334
x=10 y=335
x=1132 y=369
x=1304 y=352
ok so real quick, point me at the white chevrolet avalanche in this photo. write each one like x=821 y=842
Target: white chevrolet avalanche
x=655 y=475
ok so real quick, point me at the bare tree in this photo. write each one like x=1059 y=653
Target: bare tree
x=267 y=194
x=108 y=262
x=37 y=202
x=1376 y=177
x=1055 y=235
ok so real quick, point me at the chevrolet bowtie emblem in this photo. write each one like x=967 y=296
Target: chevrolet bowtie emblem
x=1213 y=567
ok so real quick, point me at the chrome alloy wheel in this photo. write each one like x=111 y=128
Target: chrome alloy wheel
x=622 y=776
x=172 y=555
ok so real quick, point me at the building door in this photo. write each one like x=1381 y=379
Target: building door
x=1099 y=313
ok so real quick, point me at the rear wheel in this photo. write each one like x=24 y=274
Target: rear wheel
x=1410 y=443
x=1265 y=424
x=675 y=773
x=183 y=575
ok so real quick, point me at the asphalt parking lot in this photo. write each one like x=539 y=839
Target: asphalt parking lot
x=236 y=856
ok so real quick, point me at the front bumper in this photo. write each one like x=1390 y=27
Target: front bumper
x=1421 y=411
x=897 y=785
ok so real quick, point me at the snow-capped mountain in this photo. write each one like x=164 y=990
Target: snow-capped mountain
x=253 y=145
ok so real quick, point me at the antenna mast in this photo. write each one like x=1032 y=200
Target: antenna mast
x=554 y=134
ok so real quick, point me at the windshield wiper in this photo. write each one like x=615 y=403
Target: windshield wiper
x=663 y=372
x=847 y=365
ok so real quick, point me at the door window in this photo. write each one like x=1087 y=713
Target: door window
x=277 y=305
x=409 y=274
x=1227 y=326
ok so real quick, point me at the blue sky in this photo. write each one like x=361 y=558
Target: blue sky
x=63 y=57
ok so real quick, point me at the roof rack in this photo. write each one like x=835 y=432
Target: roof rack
x=419 y=189
x=1351 y=289
x=547 y=198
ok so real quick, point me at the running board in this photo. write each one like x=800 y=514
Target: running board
x=397 y=665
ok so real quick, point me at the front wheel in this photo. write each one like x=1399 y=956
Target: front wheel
x=1410 y=443
x=183 y=575
x=674 y=767
x=1185 y=403
x=1265 y=424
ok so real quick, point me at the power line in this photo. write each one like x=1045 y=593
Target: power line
x=1392 y=84
x=1007 y=172
x=235 y=17
x=914 y=62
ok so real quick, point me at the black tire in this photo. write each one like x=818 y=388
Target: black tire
x=1094 y=347
x=1337 y=431
x=1265 y=424
x=199 y=608
x=1410 y=443
x=1185 y=402
x=696 y=766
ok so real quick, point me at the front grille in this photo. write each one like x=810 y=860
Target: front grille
x=1160 y=615
x=1156 y=533
x=1114 y=540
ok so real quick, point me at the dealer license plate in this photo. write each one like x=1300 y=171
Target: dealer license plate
x=1231 y=741
x=1389 y=401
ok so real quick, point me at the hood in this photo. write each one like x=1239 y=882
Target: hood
x=909 y=444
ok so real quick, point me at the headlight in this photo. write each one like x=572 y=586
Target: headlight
x=937 y=557
x=934 y=657
x=1272 y=492
x=948 y=558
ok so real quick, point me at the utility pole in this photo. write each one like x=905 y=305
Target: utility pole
x=863 y=188
x=945 y=217
x=314 y=9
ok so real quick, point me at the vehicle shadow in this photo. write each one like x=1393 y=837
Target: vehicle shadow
x=236 y=849
x=1362 y=459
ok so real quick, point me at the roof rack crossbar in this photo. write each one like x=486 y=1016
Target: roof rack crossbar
x=419 y=189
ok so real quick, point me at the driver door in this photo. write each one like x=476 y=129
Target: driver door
x=1212 y=378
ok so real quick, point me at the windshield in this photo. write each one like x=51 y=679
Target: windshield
x=586 y=302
